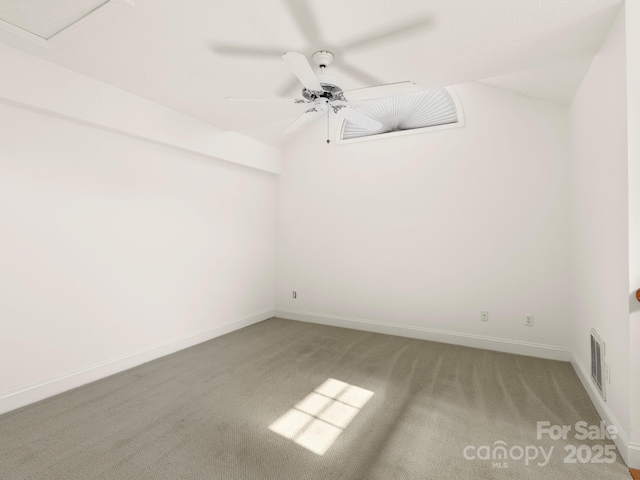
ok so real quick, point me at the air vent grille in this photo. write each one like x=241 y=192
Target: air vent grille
x=597 y=362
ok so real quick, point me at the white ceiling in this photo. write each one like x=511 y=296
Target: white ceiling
x=45 y=19
x=178 y=53
x=556 y=82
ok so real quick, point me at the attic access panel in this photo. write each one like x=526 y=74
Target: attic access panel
x=43 y=20
x=413 y=113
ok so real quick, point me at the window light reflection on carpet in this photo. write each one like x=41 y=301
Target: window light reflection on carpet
x=319 y=419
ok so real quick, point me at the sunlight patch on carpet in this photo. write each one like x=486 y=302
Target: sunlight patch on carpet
x=319 y=419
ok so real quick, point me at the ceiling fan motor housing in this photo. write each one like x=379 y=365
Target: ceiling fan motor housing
x=329 y=91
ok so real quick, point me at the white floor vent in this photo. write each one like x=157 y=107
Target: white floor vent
x=598 y=351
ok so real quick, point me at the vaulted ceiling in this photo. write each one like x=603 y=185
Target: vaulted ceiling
x=191 y=54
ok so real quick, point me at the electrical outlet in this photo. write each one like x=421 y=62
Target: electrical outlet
x=529 y=321
x=294 y=294
x=484 y=315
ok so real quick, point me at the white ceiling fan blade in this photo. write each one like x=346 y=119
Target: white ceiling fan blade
x=362 y=120
x=362 y=76
x=380 y=91
x=301 y=68
x=389 y=34
x=246 y=50
x=306 y=20
x=262 y=100
x=306 y=118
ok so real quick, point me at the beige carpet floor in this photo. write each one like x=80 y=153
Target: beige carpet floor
x=288 y=400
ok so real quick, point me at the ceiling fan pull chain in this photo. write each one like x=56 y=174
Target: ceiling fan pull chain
x=328 y=110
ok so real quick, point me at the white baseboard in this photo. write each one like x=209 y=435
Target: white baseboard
x=550 y=352
x=630 y=452
x=633 y=460
x=634 y=456
x=32 y=393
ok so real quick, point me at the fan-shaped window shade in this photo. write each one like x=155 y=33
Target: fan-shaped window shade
x=403 y=113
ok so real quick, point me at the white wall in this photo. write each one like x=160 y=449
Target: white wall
x=114 y=251
x=43 y=86
x=600 y=231
x=427 y=230
x=633 y=127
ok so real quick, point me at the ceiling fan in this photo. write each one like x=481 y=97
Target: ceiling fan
x=323 y=95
